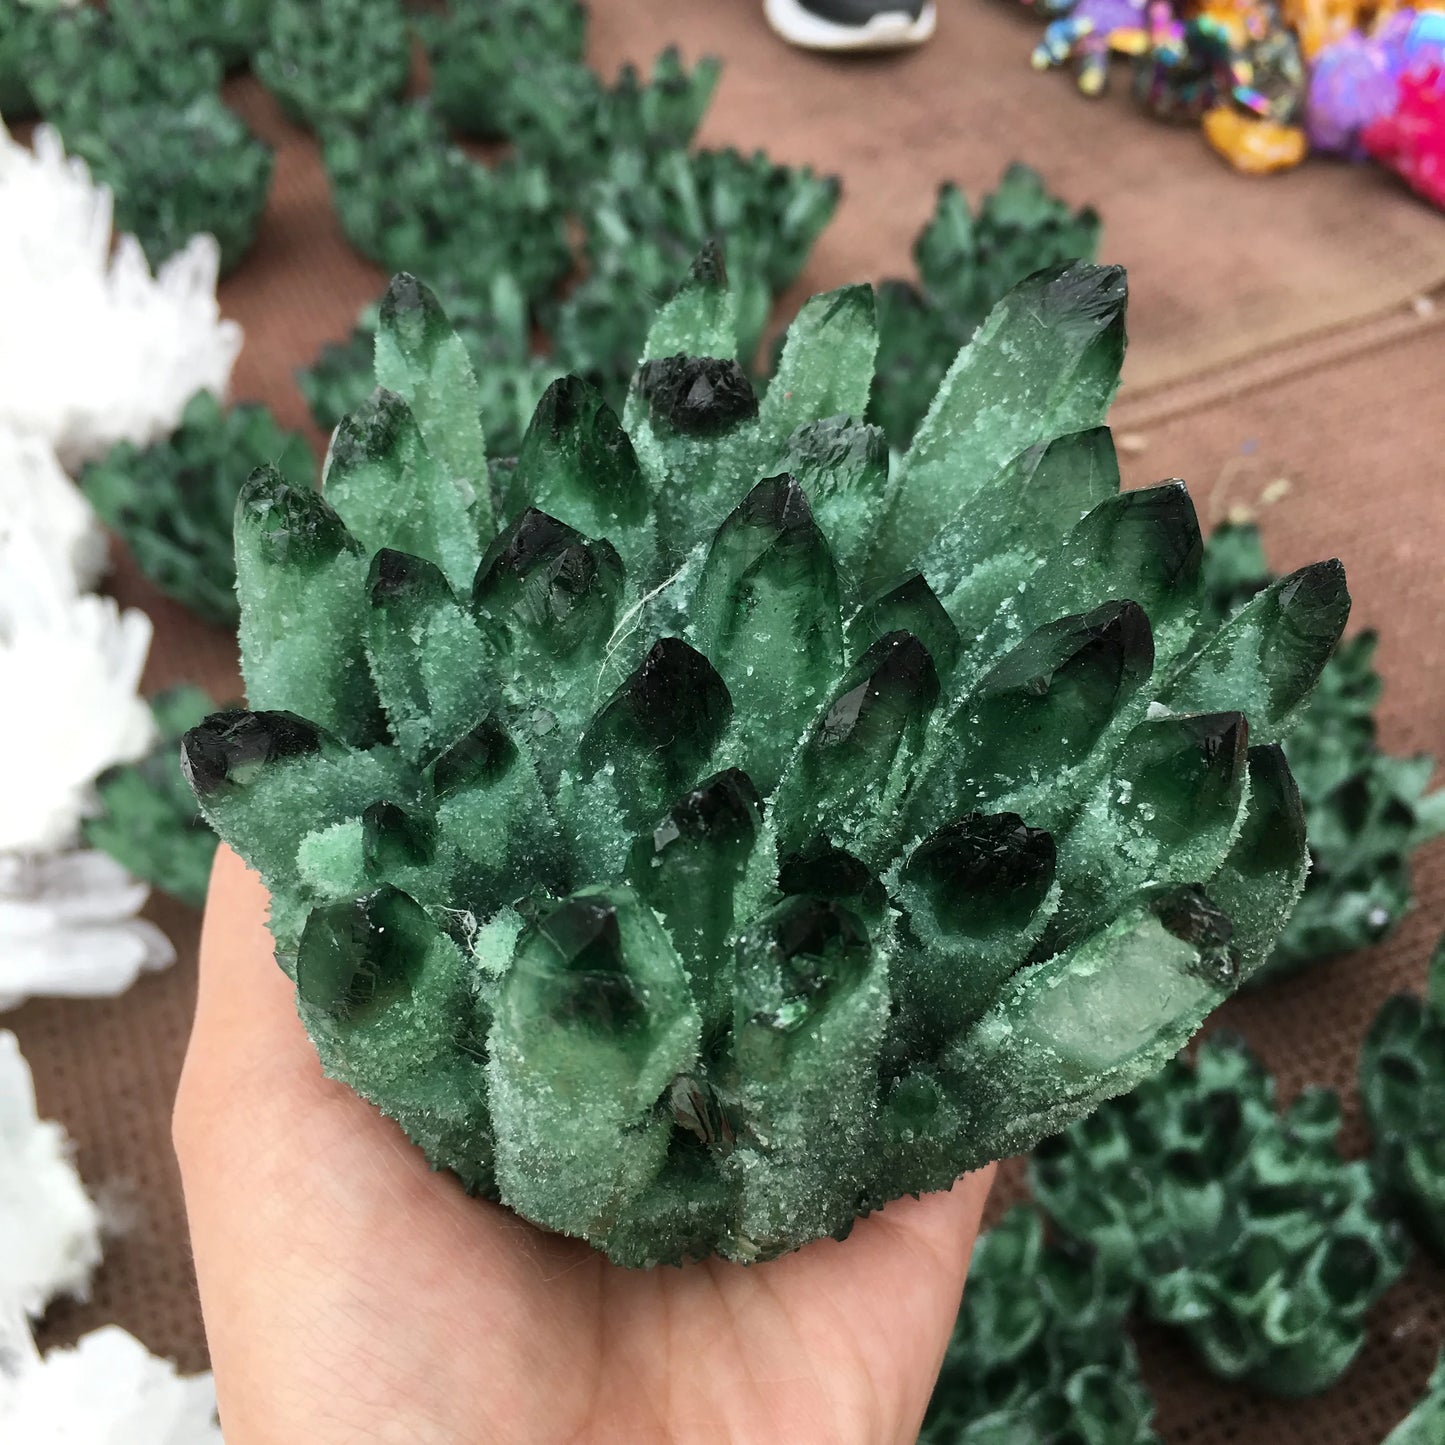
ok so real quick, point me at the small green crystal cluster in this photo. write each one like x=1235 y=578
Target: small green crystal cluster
x=1425 y=1424
x=647 y=215
x=565 y=117
x=179 y=171
x=134 y=92
x=1366 y=811
x=966 y=263
x=341 y=60
x=482 y=51
x=409 y=199
x=1040 y=1354
x=707 y=828
x=174 y=503
x=148 y=820
x=86 y=65
x=497 y=335
x=1242 y=1227
x=1402 y=1084
x=233 y=29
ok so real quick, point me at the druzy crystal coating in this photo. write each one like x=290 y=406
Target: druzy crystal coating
x=696 y=836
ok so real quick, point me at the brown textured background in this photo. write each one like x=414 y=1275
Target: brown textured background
x=1279 y=333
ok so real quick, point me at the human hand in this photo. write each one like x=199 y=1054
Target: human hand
x=353 y=1295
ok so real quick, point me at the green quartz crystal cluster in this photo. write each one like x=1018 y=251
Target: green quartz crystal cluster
x=409 y=199
x=1425 y=1424
x=148 y=820
x=22 y=29
x=1402 y=1084
x=1366 y=810
x=178 y=171
x=1241 y=1226
x=1040 y=1354
x=706 y=828
x=482 y=51
x=134 y=92
x=565 y=117
x=233 y=29
x=646 y=215
x=335 y=61
x=497 y=335
x=87 y=65
x=966 y=262
x=174 y=503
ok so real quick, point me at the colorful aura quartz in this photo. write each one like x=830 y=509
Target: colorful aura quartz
x=174 y=502
x=1411 y=140
x=704 y=829
x=966 y=262
x=337 y=61
x=1241 y=1226
x=1402 y=1084
x=1041 y=1352
x=147 y=818
x=1366 y=811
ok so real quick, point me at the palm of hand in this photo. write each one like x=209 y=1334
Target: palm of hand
x=351 y=1294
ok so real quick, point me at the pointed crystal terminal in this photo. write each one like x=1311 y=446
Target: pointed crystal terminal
x=230 y=747
x=362 y=953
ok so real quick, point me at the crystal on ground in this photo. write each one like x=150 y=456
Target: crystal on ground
x=96 y=350
x=106 y=1390
x=49 y=1228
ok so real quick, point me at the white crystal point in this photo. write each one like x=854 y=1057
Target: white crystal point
x=70 y=667
x=49 y=1229
x=68 y=928
x=41 y=506
x=108 y=1390
x=94 y=349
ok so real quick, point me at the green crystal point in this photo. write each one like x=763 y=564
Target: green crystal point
x=772 y=826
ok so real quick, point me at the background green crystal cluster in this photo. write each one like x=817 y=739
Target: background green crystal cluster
x=1242 y=1227
x=1040 y=1354
x=147 y=818
x=174 y=502
x=134 y=90
x=705 y=829
x=1402 y=1084
x=1366 y=810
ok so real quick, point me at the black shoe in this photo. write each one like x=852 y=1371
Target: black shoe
x=852 y=24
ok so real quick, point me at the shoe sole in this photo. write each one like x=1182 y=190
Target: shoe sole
x=895 y=30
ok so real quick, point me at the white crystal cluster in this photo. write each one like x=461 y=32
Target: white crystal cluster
x=95 y=349
x=49 y=1228
x=108 y=1390
x=70 y=665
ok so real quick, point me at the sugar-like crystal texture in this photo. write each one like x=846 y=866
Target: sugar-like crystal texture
x=1241 y=1226
x=1402 y=1085
x=1041 y=1351
x=966 y=262
x=704 y=829
x=1366 y=810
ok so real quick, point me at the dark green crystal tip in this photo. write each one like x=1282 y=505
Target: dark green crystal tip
x=232 y=743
